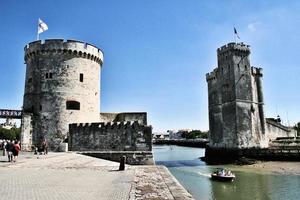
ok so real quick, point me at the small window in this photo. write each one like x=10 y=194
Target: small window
x=49 y=75
x=81 y=77
x=73 y=105
x=29 y=80
x=41 y=108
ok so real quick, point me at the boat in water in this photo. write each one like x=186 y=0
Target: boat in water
x=223 y=175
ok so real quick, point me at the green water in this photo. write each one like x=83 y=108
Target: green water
x=194 y=175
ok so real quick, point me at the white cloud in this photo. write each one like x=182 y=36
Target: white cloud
x=253 y=26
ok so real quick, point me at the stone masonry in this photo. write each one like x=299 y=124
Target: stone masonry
x=236 y=105
x=118 y=136
x=62 y=86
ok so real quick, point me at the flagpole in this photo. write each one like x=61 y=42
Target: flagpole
x=234 y=38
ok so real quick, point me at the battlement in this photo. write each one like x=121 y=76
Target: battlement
x=107 y=125
x=257 y=71
x=212 y=75
x=141 y=117
x=234 y=46
x=60 y=46
x=110 y=136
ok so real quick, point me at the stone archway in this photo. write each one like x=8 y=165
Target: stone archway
x=26 y=126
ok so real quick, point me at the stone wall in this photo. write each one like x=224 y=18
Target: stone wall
x=236 y=116
x=115 y=136
x=275 y=129
x=132 y=157
x=26 y=132
x=236 y=109
x=141 y=117
x=62 y=86
x=225 y=155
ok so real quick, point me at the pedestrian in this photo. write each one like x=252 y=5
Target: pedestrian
x=45 y=147
x=16 y=150
x=4 y=147
x=9 y=147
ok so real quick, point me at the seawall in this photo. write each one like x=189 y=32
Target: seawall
x=225 y=155
x=132 y=157
x=186 y=143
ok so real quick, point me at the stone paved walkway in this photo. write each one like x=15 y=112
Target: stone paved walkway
x=73 y=176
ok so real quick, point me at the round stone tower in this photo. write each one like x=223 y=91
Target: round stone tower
x=62 y=86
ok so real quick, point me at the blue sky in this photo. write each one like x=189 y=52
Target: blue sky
x=157 y=52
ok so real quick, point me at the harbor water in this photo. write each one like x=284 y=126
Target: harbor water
x=194 y=175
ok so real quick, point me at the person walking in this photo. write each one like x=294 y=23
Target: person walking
x=45 y=147
x=4 y=147
x=16 y=150
x=9 y=148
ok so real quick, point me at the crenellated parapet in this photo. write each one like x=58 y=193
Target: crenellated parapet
x=234 y=47
x=60 y=46
x=212 y=75
x=257 y=71
x=107 y=125
x=110 y=136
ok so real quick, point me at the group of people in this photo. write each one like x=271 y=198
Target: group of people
x=11 y=148
x=42 y=149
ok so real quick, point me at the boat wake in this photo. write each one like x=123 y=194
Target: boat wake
x=203 y=174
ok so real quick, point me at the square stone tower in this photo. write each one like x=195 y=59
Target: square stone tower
x=235 y=98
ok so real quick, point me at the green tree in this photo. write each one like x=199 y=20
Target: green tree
x=196 y=134
x=10 y=134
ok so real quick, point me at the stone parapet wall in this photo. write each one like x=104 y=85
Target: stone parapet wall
x=275 y=130
x=78 y=48
x=111 y=136
x=140 y=117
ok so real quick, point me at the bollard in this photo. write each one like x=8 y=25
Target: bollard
x=122 y=163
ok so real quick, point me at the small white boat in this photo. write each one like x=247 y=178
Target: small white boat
x=223 y=175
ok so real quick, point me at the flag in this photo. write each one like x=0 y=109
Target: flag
x=42 y=26
x=236 y=33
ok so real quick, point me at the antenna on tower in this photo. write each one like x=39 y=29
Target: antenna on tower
x=287 y=118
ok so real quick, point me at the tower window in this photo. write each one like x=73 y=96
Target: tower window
x=73 y=105
x=29 y=80
x=81 y=77
x=49 y=75
x=41 y=108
